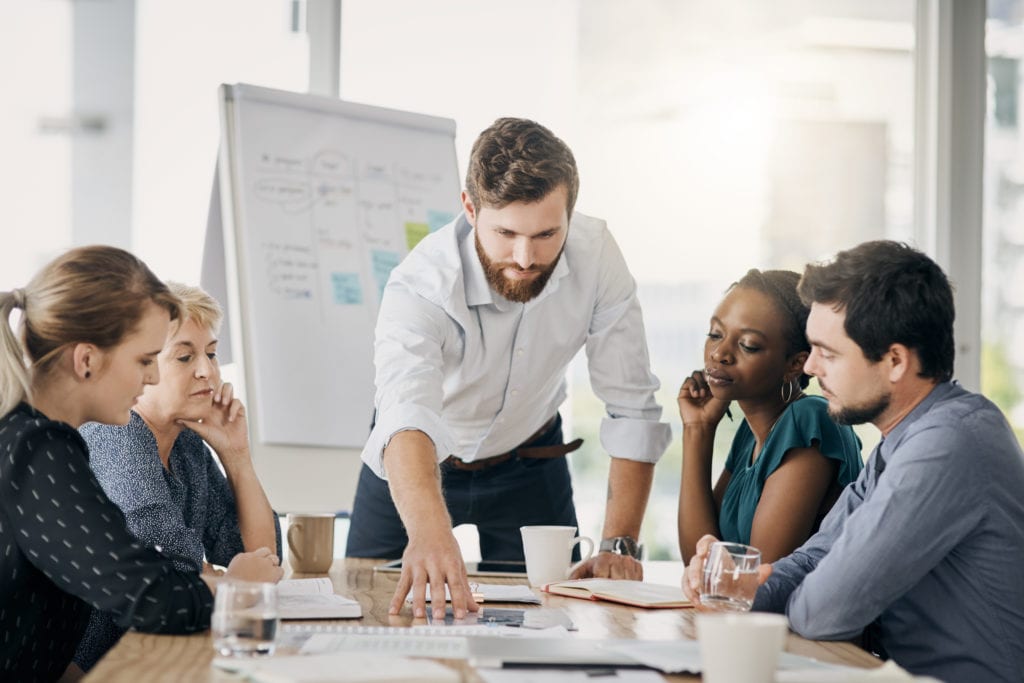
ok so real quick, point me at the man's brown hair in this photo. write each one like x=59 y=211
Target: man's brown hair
x=518 y=160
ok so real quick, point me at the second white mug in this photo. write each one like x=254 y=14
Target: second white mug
x=548 y=551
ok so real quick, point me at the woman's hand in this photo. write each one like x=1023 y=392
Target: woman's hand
x=224 y=427
x=697 y=405
x=259 y=565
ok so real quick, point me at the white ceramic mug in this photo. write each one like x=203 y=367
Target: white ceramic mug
x=740 y=646
x=548 y=551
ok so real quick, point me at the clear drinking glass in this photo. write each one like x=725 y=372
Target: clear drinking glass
x=245 y=616
x=730 y=577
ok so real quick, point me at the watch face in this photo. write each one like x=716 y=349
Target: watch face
x=621 y=545
x=625 y=546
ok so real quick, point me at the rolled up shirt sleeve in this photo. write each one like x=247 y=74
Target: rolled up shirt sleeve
x=409 y=374
x=620 y=368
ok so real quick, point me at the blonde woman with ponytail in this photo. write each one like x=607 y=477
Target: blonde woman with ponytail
x=92 y=323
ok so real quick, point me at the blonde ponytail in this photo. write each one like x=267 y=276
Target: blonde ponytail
x=95 y=295
x=14 y=378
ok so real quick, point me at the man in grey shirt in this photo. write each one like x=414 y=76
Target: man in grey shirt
x=923 y=554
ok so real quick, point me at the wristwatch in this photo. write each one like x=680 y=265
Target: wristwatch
x=621 y=545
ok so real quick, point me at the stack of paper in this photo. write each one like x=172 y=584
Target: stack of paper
x=314 y=599
x=492 y=592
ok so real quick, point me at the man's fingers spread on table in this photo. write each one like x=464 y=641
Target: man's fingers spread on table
x=460 y=598
x=402 y=590
x=437 y=594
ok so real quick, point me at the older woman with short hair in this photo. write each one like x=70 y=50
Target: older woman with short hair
x=158 y=470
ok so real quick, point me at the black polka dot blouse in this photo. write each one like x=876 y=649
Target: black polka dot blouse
x=64 y=548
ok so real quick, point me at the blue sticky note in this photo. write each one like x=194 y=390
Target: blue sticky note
x=347 y=290
x=438 y=219
x=383 y=263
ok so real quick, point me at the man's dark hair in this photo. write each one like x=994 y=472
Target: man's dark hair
x=518 y=160
x=780 y=287
x=892 y=294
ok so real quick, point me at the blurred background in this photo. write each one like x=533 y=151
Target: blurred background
x=713 y=137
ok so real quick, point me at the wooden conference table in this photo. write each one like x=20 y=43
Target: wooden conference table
x=141 y=656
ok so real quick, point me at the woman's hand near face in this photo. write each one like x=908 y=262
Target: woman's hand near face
x=697 y=405
x=698 y=501
x=224 y=427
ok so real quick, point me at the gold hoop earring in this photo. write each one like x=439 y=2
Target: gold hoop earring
x=786 y=398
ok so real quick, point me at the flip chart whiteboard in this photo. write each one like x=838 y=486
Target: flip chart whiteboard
x=321 y=199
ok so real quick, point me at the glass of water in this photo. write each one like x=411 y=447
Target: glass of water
x=244 y=622
x=730 y=577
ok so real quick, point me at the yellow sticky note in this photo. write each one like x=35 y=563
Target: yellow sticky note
x=414 y=232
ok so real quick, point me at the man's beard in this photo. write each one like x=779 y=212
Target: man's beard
x=862 y=414
x=519 y=291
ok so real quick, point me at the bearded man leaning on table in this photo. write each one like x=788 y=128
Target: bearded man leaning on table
x=476 y=330
x=922 y=554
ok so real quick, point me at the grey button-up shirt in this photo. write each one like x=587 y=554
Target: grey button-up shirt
x=927 y=547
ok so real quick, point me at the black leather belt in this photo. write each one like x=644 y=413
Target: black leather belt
x=524 y=450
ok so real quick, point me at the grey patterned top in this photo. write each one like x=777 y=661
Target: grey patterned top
x=188 y=512
x=64 y=547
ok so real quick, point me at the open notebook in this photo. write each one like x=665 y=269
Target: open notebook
x=635 y=593
x=314 y=599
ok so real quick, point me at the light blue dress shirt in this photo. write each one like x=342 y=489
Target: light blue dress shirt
x=927 y=547
x=479 y=374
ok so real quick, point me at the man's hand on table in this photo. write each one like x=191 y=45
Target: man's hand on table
x=610 y=566
x=433 y=559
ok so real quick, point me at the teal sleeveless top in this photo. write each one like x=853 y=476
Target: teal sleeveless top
x=803 y=423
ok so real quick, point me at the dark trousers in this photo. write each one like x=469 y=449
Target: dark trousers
x=498 y=500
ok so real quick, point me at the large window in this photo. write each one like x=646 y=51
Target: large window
x=713 y=137
x=719 y=137
x=35 y=133
x=1003 y=285
x=184 y=50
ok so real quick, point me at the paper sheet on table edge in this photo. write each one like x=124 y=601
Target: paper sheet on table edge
x=676 y=656
x=562 y=675
x=683 y=656
x=280 y=668
x=504 y=593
